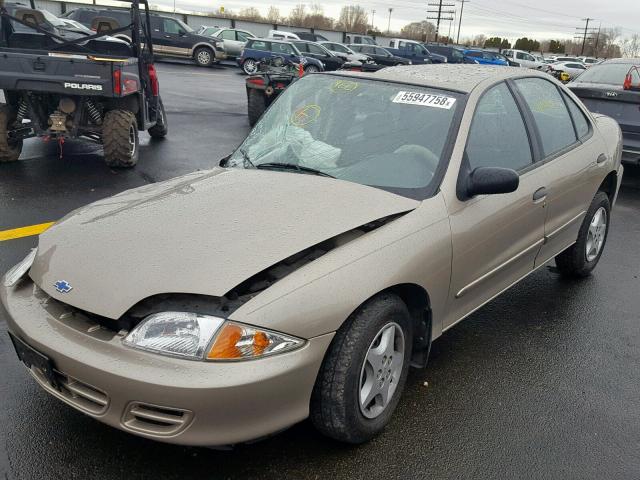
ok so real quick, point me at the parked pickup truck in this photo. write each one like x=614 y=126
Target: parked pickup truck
x=414 y=51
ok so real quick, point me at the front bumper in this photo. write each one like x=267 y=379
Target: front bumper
x=162 y=398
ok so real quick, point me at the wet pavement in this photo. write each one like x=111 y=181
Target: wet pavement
x=544 y=382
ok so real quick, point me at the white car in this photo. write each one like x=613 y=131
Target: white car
x=523 y=58
x=572 y=68
x=281 y=35
x=588 y=61
x=345 y=52
x=233 y=39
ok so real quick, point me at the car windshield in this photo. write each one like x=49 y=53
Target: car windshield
x=609 y=73
x=386 y=135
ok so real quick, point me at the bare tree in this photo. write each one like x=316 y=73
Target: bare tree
x=353 y=18
x=297 y=15
x=317 y=19
x=421 y=31
x=631 y=46
x=250 y=13
x=273 y=15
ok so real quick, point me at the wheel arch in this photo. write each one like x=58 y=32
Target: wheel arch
x=609 y=185
x=417 y=300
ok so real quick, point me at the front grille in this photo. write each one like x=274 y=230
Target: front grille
x=156 y=420
x=75 y=392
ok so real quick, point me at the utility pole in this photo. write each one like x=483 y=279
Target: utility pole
x=460 y=20
x=439 y=14
x=389 y=25
x=584 y=33
x=595 y=48
x=373 y=15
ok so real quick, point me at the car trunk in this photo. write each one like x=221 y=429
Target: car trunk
x=617 y=103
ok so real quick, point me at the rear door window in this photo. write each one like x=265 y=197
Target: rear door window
x=549 y=112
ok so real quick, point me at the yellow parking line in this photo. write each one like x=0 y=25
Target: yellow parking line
x=24 y=231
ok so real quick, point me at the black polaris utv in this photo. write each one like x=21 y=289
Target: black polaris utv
x=62 y=80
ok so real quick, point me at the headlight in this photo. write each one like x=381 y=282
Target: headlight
x=17 y=272
x=410 y=62
x=190 y=335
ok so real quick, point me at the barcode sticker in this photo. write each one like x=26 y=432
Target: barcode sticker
x=425 y=99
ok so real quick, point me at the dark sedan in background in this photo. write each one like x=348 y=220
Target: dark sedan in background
x=613 y=88
x=379 y=55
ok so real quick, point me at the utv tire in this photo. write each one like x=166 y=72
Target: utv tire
x=204 y=56
x=581 y=258
x=257 y=105
x=120 y=139
x=9 y=150
x=161 y=128
x=358 y=362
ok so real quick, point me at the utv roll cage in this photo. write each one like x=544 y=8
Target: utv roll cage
x=140 y=30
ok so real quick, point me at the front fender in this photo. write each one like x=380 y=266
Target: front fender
x=319 y=297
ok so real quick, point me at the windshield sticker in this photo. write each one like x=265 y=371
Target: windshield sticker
x=305 y=115
x=344 y=86
x=425 y=100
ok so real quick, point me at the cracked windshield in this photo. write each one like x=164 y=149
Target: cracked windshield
x=380 y=134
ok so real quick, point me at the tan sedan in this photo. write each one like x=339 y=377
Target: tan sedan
x=362 y=217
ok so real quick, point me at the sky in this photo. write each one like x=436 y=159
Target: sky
x=504 y=18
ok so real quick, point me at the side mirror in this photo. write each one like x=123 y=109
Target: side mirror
x=491 y=181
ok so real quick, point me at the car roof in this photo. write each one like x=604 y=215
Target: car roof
x=447 y=76
x=627 y=61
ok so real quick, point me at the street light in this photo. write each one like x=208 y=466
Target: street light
x=373 y=15
x=389 y=25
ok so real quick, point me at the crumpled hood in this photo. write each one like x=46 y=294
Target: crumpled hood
x=203 y=233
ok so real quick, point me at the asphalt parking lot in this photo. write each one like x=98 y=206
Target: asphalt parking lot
x=544 y=382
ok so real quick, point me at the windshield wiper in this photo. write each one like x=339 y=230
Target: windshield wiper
x=294 y=167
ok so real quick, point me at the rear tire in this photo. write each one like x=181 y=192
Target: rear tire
x=9 y=150
x=348 y=374
x=311 y=69
x=161 y=128
x=250 y=66
x=120 y=139
x=581 y=258
x=257 y=104
x=204 y=56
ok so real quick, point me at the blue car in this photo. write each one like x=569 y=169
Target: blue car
x=258 y=49
x=484 y=58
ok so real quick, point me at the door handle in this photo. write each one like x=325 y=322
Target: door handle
x=539 y=195
x=167 y=36
x=601 y=159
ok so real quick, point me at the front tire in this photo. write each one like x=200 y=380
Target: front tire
x=364 y=371
x=257 y=104
x=9 y=150
x=161 y=128
x=311 y=69
x=204 y=56
x=120 y=139
x=581 y=258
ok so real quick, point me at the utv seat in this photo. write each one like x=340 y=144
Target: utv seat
x=33 y=17
x=104 y=24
